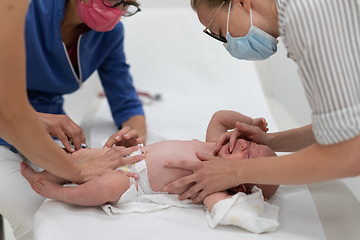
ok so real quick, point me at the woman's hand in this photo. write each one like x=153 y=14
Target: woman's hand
x=212 y=174
x=95 y=162
x=253 y=133
x=256 y=133
x=230 y=137
x=62 y=127
x=125 y=137
x=261 y=123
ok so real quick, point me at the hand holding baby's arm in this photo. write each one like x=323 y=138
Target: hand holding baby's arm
x=255 y=132
x=261 y=123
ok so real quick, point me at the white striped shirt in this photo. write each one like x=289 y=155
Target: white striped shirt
x=323 y=38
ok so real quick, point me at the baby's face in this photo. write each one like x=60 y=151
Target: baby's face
x=244 y=150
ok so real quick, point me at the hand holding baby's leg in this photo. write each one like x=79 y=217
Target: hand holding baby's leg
x=107 y=188
x=31 y=175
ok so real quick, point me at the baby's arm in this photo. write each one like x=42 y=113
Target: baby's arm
x=222 y=121
x=214 y=198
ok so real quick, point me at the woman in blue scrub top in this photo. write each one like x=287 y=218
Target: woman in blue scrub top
x=66 y=41
x=322 y=37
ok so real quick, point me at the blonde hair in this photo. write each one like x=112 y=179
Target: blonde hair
x=208 y=3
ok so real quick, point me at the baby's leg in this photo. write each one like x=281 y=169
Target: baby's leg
x=31 y=175
x=107 y=188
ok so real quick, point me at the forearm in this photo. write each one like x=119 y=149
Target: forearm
x=214 y=198
x=222 y=121
x=19 y=124
x=316 y=163
x=292 y=140
x=138 y=123
x=26 y=133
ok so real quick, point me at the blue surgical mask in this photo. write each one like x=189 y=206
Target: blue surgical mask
x=256 y=45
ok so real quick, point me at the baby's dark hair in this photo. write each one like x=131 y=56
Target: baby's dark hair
x=267 y=190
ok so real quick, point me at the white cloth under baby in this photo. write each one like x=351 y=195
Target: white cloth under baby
x=250 y=212
x=131 y=202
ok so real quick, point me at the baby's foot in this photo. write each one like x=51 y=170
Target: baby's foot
x=29 y=174
x=48 y=189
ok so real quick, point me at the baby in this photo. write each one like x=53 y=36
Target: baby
x=109 y=187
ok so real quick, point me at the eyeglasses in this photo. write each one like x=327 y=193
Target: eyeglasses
x=208 y=32
x=130 y=8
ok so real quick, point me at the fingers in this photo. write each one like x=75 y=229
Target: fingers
x=131 y=134
x=180 y=183
x=65 y=141
x=120 y=151
x=245 y=128
x=112 y=140
x=194 y=190
x=200 y=197
x=129 y=174
x=232 y=141
x=131 y=138
x=203 y=157
x=182 y=164
x=125 y=137
x=222 y=139
x=194 y=196
x=127 y=160
x=196 y=193
x=117 y=137
x=76 y=134
x=62 y=127
x=141 y=140
x=66 y=129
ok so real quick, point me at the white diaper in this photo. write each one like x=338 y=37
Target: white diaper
x=139 y=168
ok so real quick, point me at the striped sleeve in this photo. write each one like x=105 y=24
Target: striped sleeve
x=323 y=38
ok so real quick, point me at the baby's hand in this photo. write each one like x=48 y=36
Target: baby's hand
x=261 y=123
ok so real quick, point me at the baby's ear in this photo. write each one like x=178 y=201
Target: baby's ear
x=240 y=188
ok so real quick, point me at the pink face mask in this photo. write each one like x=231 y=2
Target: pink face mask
x=97 y=16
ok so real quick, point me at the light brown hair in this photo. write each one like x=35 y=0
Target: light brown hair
x=208 y=3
